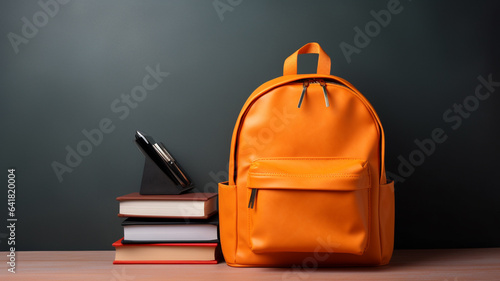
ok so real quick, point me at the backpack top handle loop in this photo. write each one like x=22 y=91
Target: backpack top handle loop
x=324 y=62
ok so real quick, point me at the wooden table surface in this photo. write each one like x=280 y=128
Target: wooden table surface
x=450 y=265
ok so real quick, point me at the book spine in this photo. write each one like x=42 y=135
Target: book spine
x=165 y=262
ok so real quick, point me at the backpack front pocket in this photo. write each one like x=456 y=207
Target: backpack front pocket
x=308 y=205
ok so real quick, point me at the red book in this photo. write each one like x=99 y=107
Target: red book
x=166 y=253
x=188 y=205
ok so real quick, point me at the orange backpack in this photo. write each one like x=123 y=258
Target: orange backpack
x=307 y=184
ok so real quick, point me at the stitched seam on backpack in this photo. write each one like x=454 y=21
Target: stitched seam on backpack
x=369 y=211
x=306 y=175
x=250 y=223
x=306 y=158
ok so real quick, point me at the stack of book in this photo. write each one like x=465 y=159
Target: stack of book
x=177 y=229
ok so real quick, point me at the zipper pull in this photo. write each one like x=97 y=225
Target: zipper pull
x=305 y=84
x=252 y=198
x=323 y=85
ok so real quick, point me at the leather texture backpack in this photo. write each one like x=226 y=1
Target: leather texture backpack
x=307 y=184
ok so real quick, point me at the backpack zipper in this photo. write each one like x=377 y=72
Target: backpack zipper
x=252 y=198
x=306 y=84
x=323 y=85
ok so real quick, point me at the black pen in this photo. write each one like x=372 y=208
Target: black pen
x=175 y=168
